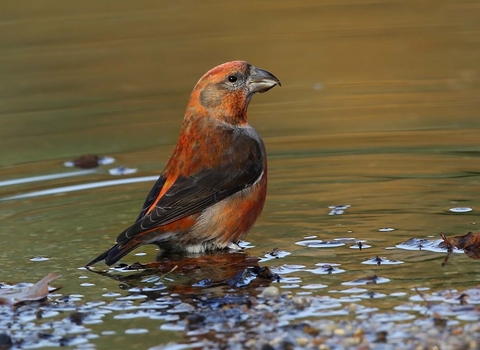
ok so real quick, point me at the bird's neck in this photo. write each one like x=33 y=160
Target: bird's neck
x=226 y=116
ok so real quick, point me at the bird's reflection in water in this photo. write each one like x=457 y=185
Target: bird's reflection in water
x=216 y=273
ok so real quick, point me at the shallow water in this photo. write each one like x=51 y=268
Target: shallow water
x=378 y=110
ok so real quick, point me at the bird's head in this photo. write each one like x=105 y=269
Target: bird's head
x=224 y=92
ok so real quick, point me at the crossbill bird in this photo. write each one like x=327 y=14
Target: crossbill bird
x=214 y=185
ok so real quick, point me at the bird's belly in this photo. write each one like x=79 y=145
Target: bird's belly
x=230 y=219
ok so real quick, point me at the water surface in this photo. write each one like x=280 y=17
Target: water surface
x=378 y=110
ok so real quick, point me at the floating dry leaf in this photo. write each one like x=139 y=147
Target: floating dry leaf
x=36 y=292
x=470 y=243
x=86 y=161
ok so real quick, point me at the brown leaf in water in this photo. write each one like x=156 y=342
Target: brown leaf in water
x=470 y=243
x=86 y=161
x=36 y=292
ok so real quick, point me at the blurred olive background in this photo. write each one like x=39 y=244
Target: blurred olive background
x=114 y=76
x=378 y=109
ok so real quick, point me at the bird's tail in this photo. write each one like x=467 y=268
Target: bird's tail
x=117 y=252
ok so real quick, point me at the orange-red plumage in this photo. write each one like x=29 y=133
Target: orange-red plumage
x=214 y=185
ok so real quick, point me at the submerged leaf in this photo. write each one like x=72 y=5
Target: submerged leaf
x=36 y=292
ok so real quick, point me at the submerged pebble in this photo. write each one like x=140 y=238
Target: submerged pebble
x=271 y=292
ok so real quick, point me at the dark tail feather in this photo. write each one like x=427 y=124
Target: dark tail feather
x=117 y=252
x=100 y=257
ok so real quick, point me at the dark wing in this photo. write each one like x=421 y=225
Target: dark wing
x=152 y=195
x=193 y=194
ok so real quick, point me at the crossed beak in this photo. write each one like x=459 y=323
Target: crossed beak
x=261 y=80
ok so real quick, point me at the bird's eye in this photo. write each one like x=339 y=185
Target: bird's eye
x=232 y=78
